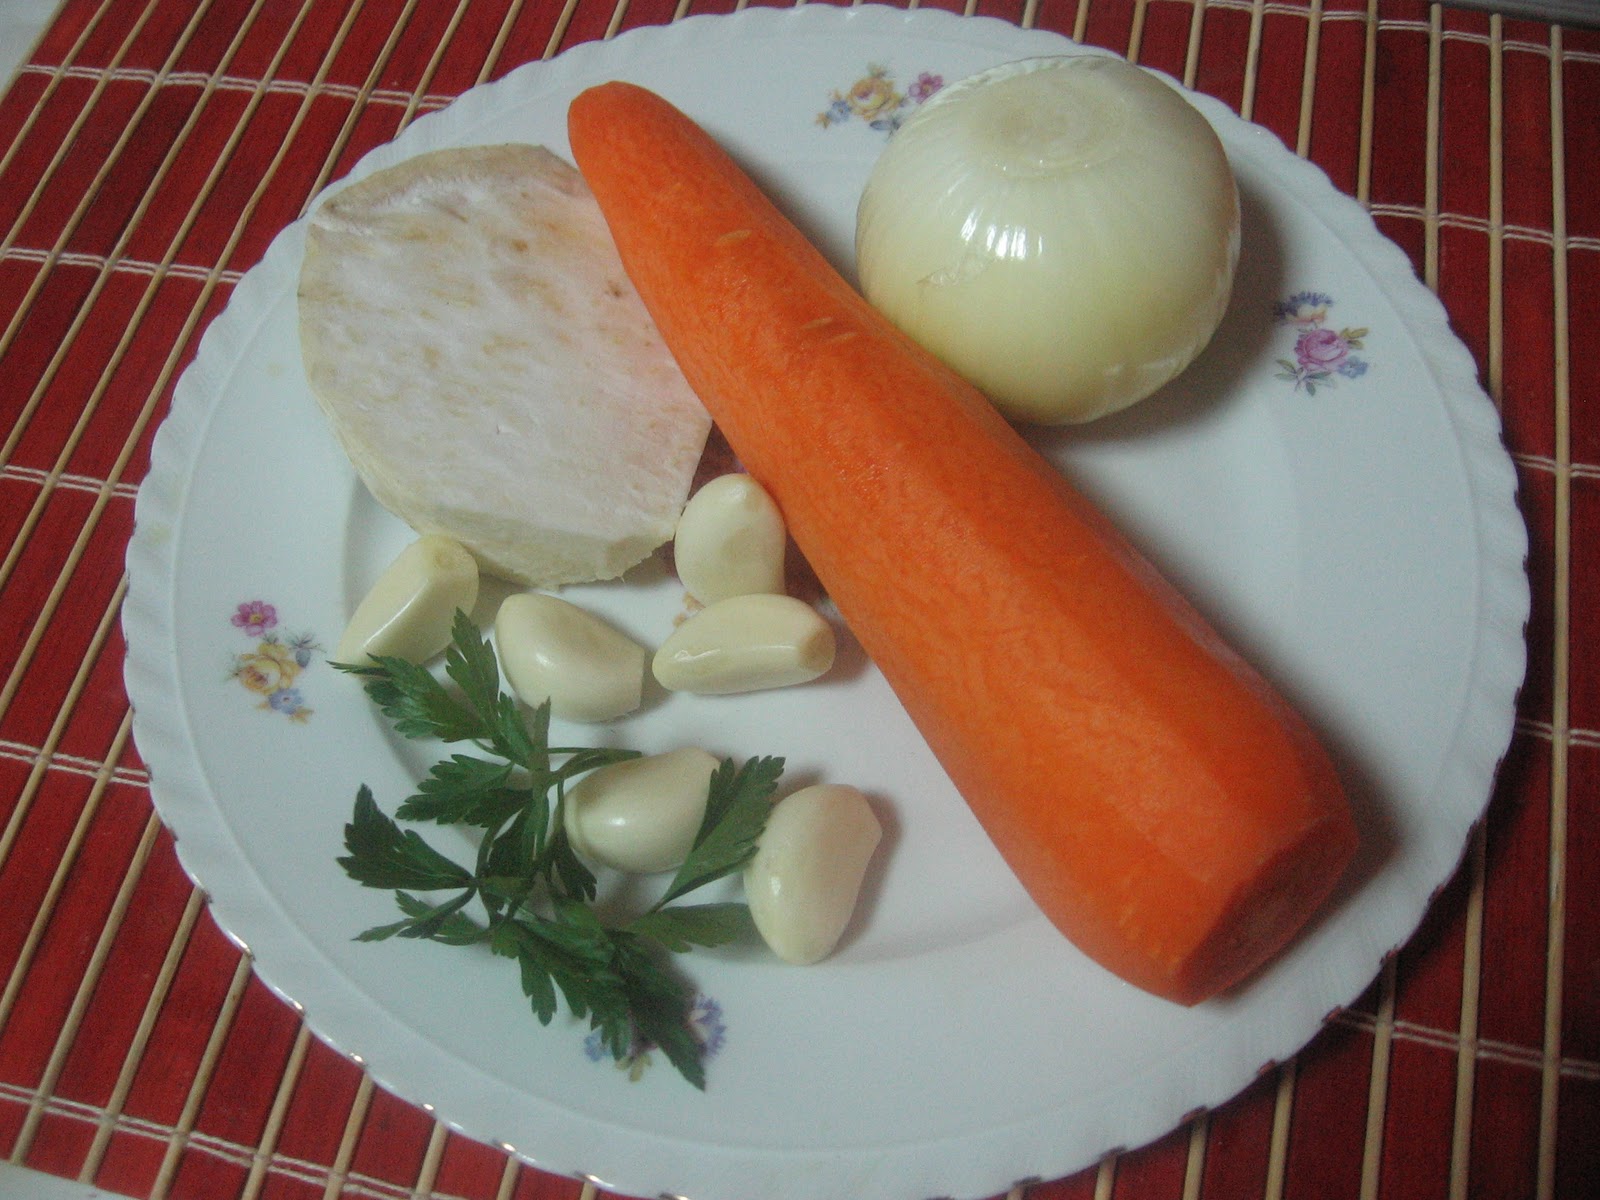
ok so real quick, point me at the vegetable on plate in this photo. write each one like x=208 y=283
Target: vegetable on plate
x=1063 y=231
x=805 y=880
x=407 y=613
x=641 y=815
x=489 y=371
x=554 y=652
x=730 y=540
x=746 y=643
x=1159 y=801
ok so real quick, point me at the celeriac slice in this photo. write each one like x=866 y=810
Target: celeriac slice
x=489 y=369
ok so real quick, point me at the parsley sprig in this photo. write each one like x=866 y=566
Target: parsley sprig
x=533 y=893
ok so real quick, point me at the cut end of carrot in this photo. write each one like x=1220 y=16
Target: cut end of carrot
x=1183 y=930
x=1268 y=914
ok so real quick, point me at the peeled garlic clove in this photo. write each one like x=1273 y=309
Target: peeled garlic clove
x=553 y=650
x=641 y=815
x=803 y=883
x=730 y=540
x=410 y=609
x=746 y=644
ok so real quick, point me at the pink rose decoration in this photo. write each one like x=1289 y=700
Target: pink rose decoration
x=1321 y=349
x=255 y=617
x=926 y=85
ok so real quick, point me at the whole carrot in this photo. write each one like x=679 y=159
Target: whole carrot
x=1160 y=803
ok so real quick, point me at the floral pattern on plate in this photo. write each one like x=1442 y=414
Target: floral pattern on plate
x=1320 y=353
x=273 y=668
x=705 y=1022
x=875 y=99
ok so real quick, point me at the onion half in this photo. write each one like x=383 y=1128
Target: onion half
x=1062 y=231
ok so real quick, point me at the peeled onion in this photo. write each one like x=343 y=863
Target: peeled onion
x=1062 y=231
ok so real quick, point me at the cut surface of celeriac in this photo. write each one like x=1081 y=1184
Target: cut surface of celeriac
x=489 y=369
x=1062 y=231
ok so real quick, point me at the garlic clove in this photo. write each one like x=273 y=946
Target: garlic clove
x=409 y=611
x=553 y=650
x=805 y=879
x=642 y=815
x=746 y=644
x=730 y=540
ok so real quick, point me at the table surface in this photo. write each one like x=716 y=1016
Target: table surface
x=137 y=1050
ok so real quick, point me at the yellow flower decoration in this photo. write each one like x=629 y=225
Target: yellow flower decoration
x=269 y=668
x=873 y=94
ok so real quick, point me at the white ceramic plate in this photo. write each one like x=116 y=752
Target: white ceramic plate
x=1328 y=483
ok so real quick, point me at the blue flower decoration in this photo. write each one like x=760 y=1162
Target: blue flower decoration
x=287 y=700
x=1303 y=306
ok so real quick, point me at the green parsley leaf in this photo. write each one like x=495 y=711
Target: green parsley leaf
x=384 y=856
x=659 y=1005
x=577 y=955
x=511 y=737
x=441 y=922
x=686 y=925
x=470 y=661
x=508 y=940
x=417 y=703
x=736 y=813
x=382 y=933
x=465 y=790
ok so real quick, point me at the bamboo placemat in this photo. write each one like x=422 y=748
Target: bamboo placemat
x=150 y=150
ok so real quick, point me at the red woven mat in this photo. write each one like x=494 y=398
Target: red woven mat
x=150 y=150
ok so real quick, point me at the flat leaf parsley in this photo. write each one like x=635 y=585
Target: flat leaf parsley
x=533 y=893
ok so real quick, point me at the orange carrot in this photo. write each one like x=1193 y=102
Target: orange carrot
x=1160 y=803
